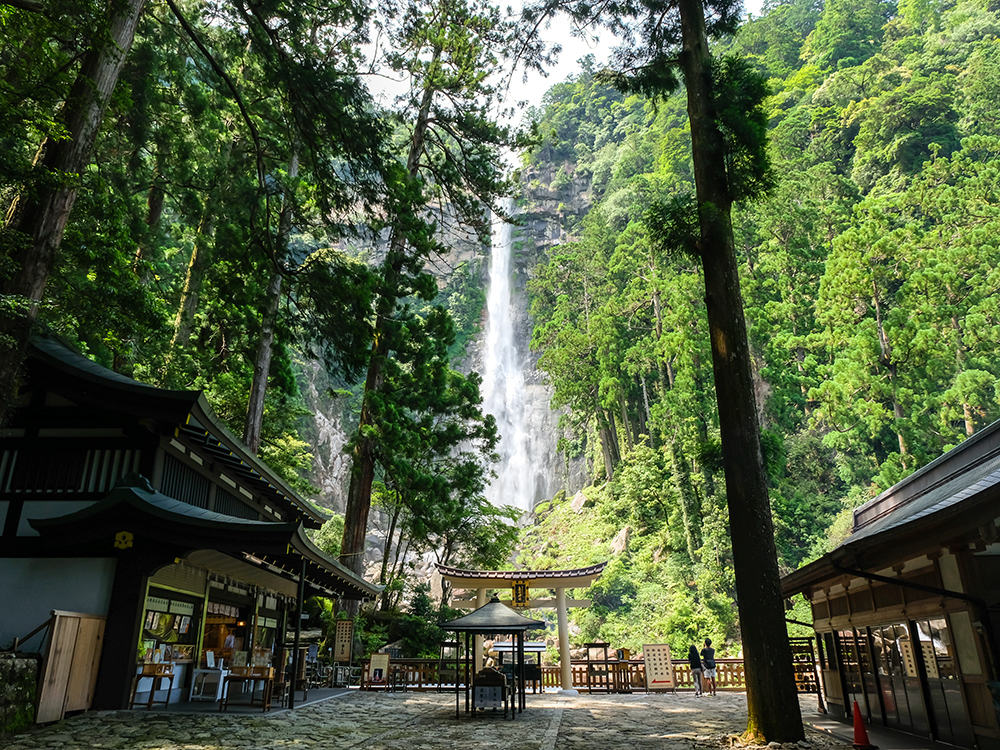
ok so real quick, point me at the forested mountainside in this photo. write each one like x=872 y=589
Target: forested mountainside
x=242 y=199
x=240 y=211
x=870 y=285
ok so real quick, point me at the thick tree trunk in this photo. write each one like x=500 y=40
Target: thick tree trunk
x=359 y=492
x=772 y=703
x=269 y=320
x=42 y=216
x=191 y=293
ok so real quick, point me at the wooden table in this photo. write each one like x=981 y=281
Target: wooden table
x=252 y=675
x=158 y=673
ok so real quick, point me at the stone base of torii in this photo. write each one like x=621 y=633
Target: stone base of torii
x=522 y=582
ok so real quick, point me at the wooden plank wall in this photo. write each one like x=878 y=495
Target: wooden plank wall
x=70 y=670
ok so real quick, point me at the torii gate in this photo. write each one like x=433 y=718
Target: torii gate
x=522 y=581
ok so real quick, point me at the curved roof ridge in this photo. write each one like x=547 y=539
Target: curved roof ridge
x=189 y=409
x=517 y=575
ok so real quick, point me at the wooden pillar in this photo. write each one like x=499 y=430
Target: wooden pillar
x=519 y=640
x=479 y=661
x=296 y=656
x=565 y=668
x=121 y=632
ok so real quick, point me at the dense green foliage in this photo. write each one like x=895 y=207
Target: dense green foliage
x=241 y=145
x=232 y=218
x=868 y=277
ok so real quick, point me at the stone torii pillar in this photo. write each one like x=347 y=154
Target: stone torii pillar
x=558 y=580
x=562 y=618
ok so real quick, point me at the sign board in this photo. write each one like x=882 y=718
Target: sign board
x=181 y=608
x=520 y=594
x=378 y=669
x=659 y=668
x=342 y=638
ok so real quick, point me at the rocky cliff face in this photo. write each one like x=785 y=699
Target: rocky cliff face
x=551 y=201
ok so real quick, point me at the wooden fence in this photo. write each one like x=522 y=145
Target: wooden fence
x=429 y=674
x=631 y=676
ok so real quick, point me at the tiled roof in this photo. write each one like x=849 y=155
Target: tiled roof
x=518 y=575
x=492 y=617
x=945 y=499
x=188 y=411
x=939 y=498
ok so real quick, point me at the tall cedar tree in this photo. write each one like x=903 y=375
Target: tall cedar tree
x=728 y=142
x=448 y=48
x=37 y=217
x=304 y=109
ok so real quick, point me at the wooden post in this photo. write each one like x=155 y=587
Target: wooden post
x=296 y=657
x=121 y=633
x=479 y=660
x=565 y=667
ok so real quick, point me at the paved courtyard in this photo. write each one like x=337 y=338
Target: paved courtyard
x=425 y=721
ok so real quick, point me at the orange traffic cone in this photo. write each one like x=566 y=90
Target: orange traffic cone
x=860 y=733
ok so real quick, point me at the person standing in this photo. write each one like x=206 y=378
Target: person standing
x=694 y=661
x=708 y=664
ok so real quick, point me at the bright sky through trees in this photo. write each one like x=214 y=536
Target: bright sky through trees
x=574 y=47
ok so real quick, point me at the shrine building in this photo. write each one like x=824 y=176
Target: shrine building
x=136 y=527
x=907 y=609
x=522 y=583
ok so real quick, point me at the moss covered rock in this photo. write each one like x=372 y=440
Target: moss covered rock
x=18 y=693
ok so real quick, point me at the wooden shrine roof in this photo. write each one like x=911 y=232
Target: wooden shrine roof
x=58 y=368
x=166 y=526
x=576 y=578
x=952 y=501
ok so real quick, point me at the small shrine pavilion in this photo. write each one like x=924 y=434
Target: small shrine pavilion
x=521 y=583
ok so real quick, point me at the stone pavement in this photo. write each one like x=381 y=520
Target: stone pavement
x=426 y=721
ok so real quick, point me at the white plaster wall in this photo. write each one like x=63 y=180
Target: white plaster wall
x=31 y=588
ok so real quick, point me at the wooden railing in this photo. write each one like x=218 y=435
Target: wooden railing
x=422 y=674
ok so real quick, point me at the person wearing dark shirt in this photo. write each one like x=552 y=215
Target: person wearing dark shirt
x=694 y=661
x=708 y=664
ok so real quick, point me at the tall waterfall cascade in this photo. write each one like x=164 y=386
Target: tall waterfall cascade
x=503 y=380
x=530 y=468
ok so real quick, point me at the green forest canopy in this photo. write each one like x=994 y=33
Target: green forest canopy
x=870 y=287
x=869 y=273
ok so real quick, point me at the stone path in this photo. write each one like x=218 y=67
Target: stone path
x=425 y=721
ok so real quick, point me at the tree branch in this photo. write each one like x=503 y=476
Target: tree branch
x=258 y=151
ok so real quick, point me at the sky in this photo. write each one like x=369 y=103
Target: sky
x=573 y=49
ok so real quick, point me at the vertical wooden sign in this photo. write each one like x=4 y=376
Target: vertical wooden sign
x=659 y=668
x=343 y=636
x=520 y=594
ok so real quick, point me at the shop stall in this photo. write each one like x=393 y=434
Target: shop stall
x=135 y=504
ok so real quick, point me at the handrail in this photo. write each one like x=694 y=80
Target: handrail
x=423 y=674
x=33 y=633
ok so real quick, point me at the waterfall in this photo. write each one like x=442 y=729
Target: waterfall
x=504 y=389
